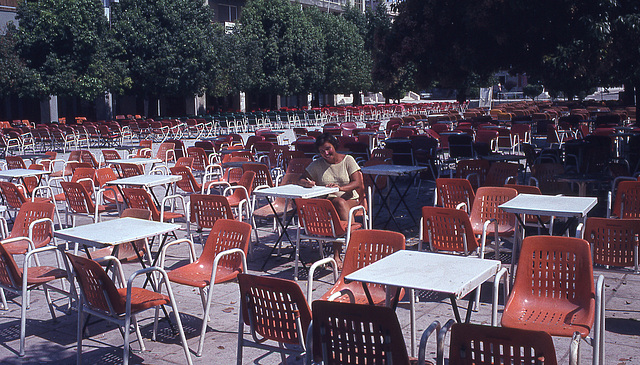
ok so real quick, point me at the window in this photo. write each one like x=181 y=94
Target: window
x=227 y=13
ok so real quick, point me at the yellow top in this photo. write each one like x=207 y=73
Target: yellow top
x=324 y=173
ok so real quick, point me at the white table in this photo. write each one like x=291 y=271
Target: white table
x=10 y=175
x=140 y=161
x=289 y=192
x=115 y=232
x=456 y=276
x=570 y=207
x=393 y=172
x=147 y=181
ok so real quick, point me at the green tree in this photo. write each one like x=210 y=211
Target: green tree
x=15 y=77
x=167 y=45
x=347 y=63
x=63 y=45
x=285 y=48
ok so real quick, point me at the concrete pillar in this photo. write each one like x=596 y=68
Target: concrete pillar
x=196 y=105
x=49 y=109
x=104 y=109
x=243 y=102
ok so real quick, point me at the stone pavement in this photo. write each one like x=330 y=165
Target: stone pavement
x=54 y=341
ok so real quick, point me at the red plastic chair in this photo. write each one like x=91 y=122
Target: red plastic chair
x=473 y=344
x=100 y=297
x=21 y=280
x=130 y=169
x=486 y=217
x=15 y=162
x=614 y=242
x=166 y=152
x=554 y=291
x=452 y=192
x=365 y=247
x=33 y=223
x=80 y=203
x=110 y=194
x=275 y=310
x=141 y=199
x=627 y=200
x=223 y=258
x=188 y=182
x=205 y=210
x=348 y=333
x=319 y=221
x=241 y=194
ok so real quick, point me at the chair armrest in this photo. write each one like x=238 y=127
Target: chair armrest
x=31 y=245
x=38 y=221
x=42 y=187
x=117 y=264
x=463 y=206
x=224 y=253
x=534 y=181
x=159 y=170
x=4 y=227
x=326 y=260
x=209 y=184
x=171 y=197
x=422 y=349
x=496 y=288
x=442 y=334
x=192 y=250
x=235 y=187
x=477 y=176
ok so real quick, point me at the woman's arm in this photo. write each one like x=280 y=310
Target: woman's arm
x=355 y=183
x=306 y=181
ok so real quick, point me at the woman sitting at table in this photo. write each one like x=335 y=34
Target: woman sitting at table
x=335 y=170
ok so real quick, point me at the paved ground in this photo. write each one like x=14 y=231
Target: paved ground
x=54 y=341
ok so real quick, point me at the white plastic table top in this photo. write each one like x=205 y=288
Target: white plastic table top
x=135 y=161
x=391 y=170
x=114 y=232
x=19 y=173
x=293 y=191
x=550 y=205
x=449 y=274
x=146 y=180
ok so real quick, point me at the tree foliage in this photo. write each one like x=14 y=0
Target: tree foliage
x=15 y=77
x=167 y=45
x=285 y=48
x=63 y=48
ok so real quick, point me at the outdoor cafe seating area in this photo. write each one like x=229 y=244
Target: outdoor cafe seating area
x=511 y=221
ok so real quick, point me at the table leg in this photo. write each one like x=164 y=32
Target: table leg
x=284 y=227
x=454 y=305
x=402 y=196
x=384 y=198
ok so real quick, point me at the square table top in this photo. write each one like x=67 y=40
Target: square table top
x=448 y=274
x=16 y=173
x=135 y=160
x=550 y=205
x=392 y=170
x=146 y=180
x=114 y=232
x=293 y=191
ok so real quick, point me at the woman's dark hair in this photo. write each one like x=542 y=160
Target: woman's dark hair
x=324 y=138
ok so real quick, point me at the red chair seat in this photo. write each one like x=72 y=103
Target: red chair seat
x=44 y=274
x=171 y=215
x=22 y=246
x=556 y=319
x=354 y=225
x=142 y=299
x=195 y=275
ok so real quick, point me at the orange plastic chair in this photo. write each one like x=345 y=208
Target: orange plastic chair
x=223 y=258
x=87 y=157
x=298 y=165
x=275 y=310
x=487 y=217
x=200 y=159
x=349 y=333
x=100 y=297
x=614 y=242
x=32 y=182
x=449 y=230
x=475 y=168
x=184 y=161
x=365 y=247
x=501 y=173
x=166 y=152
x=14 y=197
x=141 y=199
x=627 y=200
x=554 y=291
x=263 y=176
x=80 y=203
x=473 y=344
x=85 y=175
x=241 y=194
x=110 y=155
x=280 y=205
x=452 y=192
x=110 y=194
x=20 y=280
x=130 y=170
x=33 y=223
x=205 y=210
x=15 y=162
x=188 y=182
x=320 y=222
